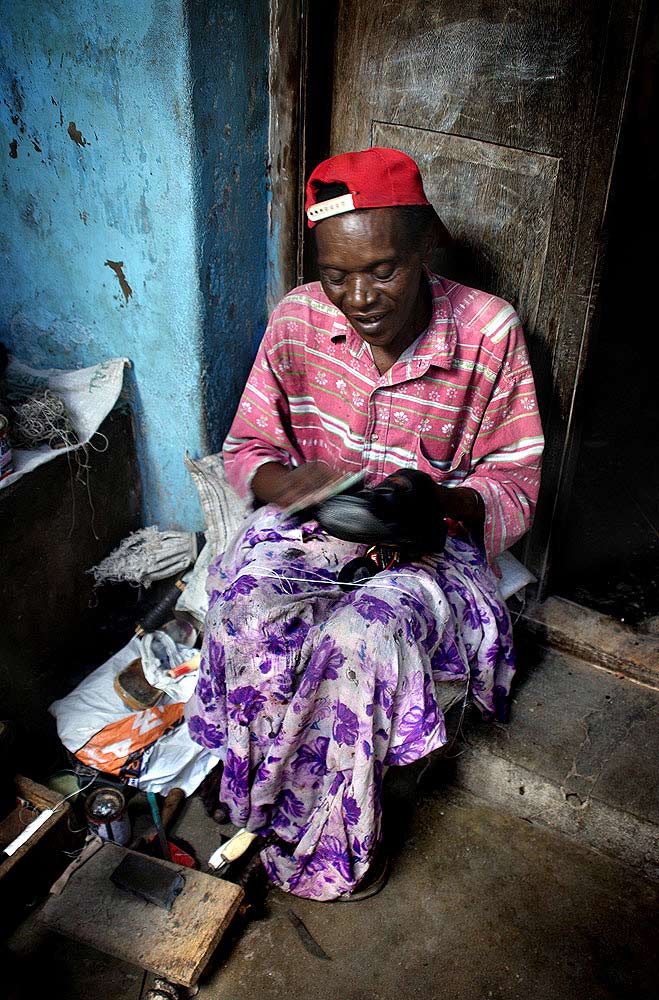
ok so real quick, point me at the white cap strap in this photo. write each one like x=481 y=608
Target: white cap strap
x=333 y=206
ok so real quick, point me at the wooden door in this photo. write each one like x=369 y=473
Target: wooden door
x=512 y=112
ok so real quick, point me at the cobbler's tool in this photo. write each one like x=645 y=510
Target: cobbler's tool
x=310 y=500
x=147 y=879
x=306 y=937
x=173 y=800
x=162 y=837
x=149 y=842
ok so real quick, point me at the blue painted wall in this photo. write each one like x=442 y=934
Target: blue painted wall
x=229 y=65
x=136 y=132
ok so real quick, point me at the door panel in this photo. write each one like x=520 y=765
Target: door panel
x=495 y=201
x=481 y=68
x=513 y=112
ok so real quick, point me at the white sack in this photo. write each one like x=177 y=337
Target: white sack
x=88 y=393
x=174 y=761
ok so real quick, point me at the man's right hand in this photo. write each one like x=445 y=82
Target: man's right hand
x=274 y=483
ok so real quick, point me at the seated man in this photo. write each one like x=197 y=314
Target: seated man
x=308 y=691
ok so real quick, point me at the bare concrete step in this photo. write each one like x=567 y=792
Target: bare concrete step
x=596 y=638
x=580 y=755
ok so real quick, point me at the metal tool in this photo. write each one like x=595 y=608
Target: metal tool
x=230 y=851
x=162 y=836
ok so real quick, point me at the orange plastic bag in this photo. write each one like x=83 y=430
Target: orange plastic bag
x=119 y=747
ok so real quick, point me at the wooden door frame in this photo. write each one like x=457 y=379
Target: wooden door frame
x=295 y=139
x=287 y=76
x=573 y=341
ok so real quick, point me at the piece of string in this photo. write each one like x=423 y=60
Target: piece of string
x=310 y=579
x=314 y=577
x=521 y=610
x=42 y=418
x=35 y=811
x=77 y=791
x=82 y=476
x=392 y=585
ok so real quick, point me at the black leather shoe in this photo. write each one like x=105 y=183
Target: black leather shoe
x=402 y=512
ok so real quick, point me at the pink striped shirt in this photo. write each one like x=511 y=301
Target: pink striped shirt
x=459 y=404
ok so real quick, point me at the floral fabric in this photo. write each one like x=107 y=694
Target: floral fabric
x=307 y=692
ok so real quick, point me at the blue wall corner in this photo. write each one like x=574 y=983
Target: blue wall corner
x=229 y=61
x=138 y=134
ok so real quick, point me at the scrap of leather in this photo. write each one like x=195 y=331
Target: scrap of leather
x=88 y=851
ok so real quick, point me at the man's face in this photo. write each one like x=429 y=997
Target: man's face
x=368 y=271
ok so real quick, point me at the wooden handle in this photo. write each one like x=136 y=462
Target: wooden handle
x=171 y=805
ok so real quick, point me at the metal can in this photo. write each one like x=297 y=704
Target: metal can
x=105 y=810
x=6 y=457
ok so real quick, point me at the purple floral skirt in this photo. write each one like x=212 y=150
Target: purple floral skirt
x=307 y=692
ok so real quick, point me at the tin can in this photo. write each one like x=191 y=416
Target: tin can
x=105 y=810
x=6 y=457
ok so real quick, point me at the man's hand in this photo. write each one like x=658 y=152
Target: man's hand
x=274 y=483
x=461 y=503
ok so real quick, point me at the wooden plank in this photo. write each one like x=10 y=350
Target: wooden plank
x=15 y=823
x=175 y=944
x=283 y=147
x=594 y=637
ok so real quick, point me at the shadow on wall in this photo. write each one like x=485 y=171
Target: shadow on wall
x=230 y=117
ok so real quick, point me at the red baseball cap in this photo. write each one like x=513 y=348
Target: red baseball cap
x=375 y=178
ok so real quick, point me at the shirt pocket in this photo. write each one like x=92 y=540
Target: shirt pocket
x=441 y=460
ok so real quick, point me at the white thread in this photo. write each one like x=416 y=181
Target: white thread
x=392 y=585
x=42 y=417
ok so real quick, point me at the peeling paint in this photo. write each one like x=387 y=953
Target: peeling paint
x=18 y=95
x=118 y=267
x=143 y=78
x=76 y=135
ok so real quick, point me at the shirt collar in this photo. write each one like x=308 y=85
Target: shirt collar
x=436 y=346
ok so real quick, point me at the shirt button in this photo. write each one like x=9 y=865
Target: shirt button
x=374 y=437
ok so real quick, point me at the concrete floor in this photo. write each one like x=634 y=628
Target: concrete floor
x=481 y=903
